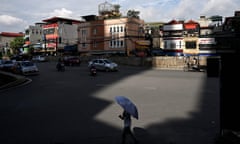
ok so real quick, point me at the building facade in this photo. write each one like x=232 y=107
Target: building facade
x=60 y=35
x=33 y=39
x=5 y=40
x=173 y=38
x=109 y=36
x=191 y=35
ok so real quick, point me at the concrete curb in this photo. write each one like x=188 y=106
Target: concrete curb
x=20 y=80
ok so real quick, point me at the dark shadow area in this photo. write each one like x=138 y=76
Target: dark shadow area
x=59 y=108
x=199 y=128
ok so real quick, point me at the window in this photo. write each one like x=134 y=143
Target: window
x=95 y=31
x=94 y=44
x=110 y=44
x=49 y=31
x=83 y=45
x=206 y=46
x=172 y=45
x=165 y=45
x=191 y=45
x=121 y=43
x=118 y=43
x=84 y=32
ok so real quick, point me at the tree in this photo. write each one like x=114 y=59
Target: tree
x=133 y=14
x=17 y=43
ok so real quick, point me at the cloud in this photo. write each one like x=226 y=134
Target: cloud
x=10 y=20
x=61 y=12
x=186 y=9
x=152 y=10
x=220 y=7
x=158 y=3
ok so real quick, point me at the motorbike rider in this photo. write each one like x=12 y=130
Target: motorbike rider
x=93 y=70
x=60 y=64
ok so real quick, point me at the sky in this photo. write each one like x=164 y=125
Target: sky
x=17 y=15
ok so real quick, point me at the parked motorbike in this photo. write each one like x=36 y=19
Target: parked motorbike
x=60 y=66
x=93 y=71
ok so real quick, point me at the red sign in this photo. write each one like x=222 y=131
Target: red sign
x=50 y=25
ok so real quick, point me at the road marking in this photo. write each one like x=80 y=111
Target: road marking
x=150 y=88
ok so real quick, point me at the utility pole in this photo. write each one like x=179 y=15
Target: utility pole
x=126 y=39
x=45 y=42
x=56 y=45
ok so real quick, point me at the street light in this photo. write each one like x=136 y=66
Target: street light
x=45 y=42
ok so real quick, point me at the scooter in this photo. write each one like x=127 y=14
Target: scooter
x=93 y=71
x=60 y=66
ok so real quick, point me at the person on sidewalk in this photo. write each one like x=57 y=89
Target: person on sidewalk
x=126 y=117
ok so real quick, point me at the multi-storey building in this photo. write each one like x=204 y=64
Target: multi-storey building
x=33 y=39
x=109 y=33
x=155 y=29
x=113 y=36
x=228 y=38
x=191 y=38
x=60 y=35
x=206 y=40
x=191 y=34
x=5 y=40
x=228 y=47
x=173 y=38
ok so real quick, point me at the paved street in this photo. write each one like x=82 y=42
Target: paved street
x=71 y=107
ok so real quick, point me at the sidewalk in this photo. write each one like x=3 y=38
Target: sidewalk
x=9 y=80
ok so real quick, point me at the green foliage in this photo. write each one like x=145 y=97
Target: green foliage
x=133 y=14
x=17 y=43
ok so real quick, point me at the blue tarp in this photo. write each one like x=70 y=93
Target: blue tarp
x=70 y=48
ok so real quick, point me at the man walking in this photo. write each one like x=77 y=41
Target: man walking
x=126 y=117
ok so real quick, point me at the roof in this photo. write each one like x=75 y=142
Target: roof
x=11 y=34
x=56 y=18
x=191 y=22
x=90 y=17
x=174 y=22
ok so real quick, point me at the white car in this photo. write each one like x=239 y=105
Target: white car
x=39 y=58
x=25 y=68
x=103 y=64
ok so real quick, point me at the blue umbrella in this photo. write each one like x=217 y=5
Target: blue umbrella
x=127 y=105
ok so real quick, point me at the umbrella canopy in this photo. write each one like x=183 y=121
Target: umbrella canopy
x=127 y=105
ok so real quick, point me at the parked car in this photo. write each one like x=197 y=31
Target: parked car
x=140 y=54
x=1 y=64
x=7 y=65
x=103 y=64
x=39 y=58
x=25 y=68
x=72 y=61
